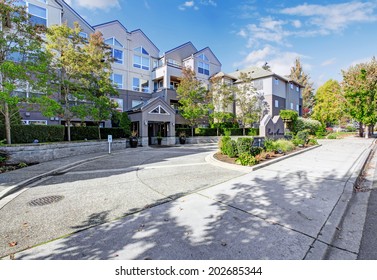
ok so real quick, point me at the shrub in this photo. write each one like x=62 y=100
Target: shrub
x=244 y=145
x=200 y=131
x=269 y=145
x=116 y=132
x=303 y=136
x=230 y=148
x=254 y=151
x=246 y=159
x=351 y=128
x=222 y=143
x=313 y=142
x=284 y=145
x=312 y=126
x=125 y=123
x=253 y=131
x=186 y=131
x=84 y=132
x=332 y=136
x=28 y=133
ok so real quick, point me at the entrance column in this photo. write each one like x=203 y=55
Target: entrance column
x=171 y=134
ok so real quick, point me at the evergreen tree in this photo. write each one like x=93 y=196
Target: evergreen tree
x=299 y=76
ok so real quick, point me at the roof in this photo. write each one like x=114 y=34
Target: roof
x=76 y=13
x=111 y=22
x=145 y=104
x=222 y=74
x=256 y=72
x=181 y=46
x=139 y=30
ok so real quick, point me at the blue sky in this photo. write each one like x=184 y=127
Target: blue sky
x=328 y=36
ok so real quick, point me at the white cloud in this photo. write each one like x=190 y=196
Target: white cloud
x=208 y=2
x=279 y=61
x=188 y=4
x=334 y=17
x=296 y=23
x=94 y=4
x=268 y=30
x=328 y=62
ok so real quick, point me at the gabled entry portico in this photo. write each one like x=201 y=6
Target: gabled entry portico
x=154 y=118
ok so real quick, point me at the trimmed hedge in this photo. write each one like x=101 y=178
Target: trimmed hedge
x=28 y=133
x=22 y=134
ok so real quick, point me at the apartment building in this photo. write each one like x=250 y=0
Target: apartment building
x=146 y=80
x=280 y=92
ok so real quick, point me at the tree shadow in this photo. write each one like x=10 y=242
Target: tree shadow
x=261 y=216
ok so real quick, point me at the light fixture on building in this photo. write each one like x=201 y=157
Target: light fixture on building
x=145 y=122
x=27 y=114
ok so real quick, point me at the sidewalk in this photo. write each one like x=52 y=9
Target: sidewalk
x=288 y=210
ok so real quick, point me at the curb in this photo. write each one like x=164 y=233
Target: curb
x=322 y=245
x=211 y=159
x=56 y=171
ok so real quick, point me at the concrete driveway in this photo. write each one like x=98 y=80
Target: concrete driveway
x=288 y=210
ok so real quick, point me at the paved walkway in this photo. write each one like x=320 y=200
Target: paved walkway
x=288 y=210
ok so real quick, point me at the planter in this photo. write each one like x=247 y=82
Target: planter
x=133 y=142
x=182 y=140
x=159 y=140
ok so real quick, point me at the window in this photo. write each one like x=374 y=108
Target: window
x=38 y=15
x=119 y=102
x=291 y=85
x=117 y=55
x=141 y=50
x=136 y=103
x=276 y=81
x=27 y=122
x=297 y=108
x=174 y=85
x=276 y=103
x=291 y=106
x=203 y=68
x=114 y=42
x=117 y=80
x=141 y=62
x=297 y=89
x=203 y=57
x=159 y=110
x=83 y=35
x=140 y=85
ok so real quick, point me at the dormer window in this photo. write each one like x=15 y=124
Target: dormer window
x=203 y=68
x=203 y=57
x=141 y=50
x=113 y=42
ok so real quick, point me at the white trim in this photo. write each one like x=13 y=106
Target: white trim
x=159 y=107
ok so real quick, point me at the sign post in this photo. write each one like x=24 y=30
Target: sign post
x=110 y=140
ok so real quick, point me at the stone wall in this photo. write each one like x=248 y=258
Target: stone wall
x=34 y=153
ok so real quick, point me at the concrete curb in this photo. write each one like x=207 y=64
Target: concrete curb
x=56 y=171
x=211 y=159
x=327 y=234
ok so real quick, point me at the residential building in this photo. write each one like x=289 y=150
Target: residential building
x=146 y=80
x=279 y=92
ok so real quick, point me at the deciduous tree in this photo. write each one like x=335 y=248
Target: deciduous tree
x=193 y=98
x=360 y=90
x=329 y=103
x=23 y=62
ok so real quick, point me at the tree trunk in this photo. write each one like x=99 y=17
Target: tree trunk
x=192 y=131
x=99 y=131
x=69 y=130
x=367 y=131
x=243 y=131
x=361 y=131
x=7 y=123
